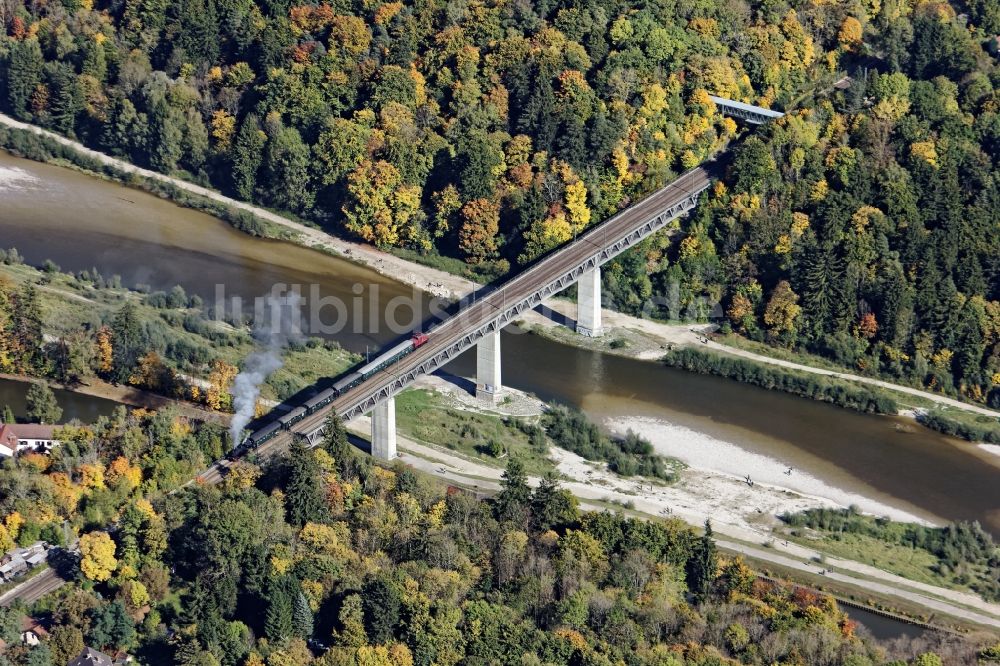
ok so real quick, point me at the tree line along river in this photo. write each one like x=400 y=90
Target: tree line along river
x=80 y=222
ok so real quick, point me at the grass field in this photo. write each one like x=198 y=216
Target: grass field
x=69 y=305
x=427 y=417
x=911 y=563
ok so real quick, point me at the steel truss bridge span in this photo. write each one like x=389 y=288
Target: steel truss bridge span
x=503 y=304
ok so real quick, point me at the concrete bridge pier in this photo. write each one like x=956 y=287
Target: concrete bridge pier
x=488 y=386
x=384 y=430
x=588 y=308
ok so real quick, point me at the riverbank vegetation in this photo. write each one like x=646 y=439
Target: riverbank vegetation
x=979 y=428
x=492 y=439
x=825 y=389
x=70 y=327
x=322 y=557
x=428 y=417
x=490 y=134
x=959 y=555
x=628 y=456
x=28 y=144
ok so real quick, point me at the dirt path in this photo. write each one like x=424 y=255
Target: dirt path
x=441 y=283
x=424 y=278
x=664 y=501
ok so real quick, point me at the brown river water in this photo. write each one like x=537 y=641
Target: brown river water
x=80 y=222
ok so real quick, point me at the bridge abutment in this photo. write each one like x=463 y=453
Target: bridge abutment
x=488 y=386
x=588 y=308
x=384 y=430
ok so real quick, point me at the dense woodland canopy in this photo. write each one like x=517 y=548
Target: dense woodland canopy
x=865 y=229
x=320 y=557
x=861 y=228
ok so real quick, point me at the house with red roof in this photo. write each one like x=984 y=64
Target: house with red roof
x=17 y=438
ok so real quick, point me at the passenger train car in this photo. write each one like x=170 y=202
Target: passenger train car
x=292 y=416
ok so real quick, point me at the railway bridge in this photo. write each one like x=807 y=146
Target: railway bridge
x=478 y=322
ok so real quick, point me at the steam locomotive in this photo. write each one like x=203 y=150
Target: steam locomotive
x=291 y=416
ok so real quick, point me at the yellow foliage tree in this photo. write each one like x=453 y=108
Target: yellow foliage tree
x=65 y=493
x=13 y=523
x=314 y=593
x=782 y=310
x=121 y=472
x=800 y=222
x=92 y=476
x=380 y=207
x=850 y=33
x=105 y=350
x=477 y=237
x=926 y=151
x=6 y=540
x=436 y=515
x=254 y=659
x=576 y=205
x=223 y=129
x=217 y=396
x=545 y=234
x=241 y=476
x=135 y=595
x=97 y=552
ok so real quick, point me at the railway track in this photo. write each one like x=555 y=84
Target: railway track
x=488 y=307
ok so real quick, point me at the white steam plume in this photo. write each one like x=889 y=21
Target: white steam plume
x=277 y=325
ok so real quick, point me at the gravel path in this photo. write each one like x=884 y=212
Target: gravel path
x=444 y=284
x=424 y=278
x=964 y=605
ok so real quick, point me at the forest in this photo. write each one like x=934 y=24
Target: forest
x=319 y=556
x=858 y=227
x=72 y=328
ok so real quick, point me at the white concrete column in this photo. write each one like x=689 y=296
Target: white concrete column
x=488 y=384
x=588 y=307
x=384 y=430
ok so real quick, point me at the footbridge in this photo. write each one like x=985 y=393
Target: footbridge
x=754 y=115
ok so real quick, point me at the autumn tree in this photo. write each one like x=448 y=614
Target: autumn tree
x=783 y=310
x=850 y=33
x=379 y=207
x=220 y=379
x=97 y=552
x=477 y=237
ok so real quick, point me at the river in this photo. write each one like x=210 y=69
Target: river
x=81 y=222
x=86 y=408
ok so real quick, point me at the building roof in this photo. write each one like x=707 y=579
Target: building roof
x=91 y=657
x=13 y=563
x=10 y=433
x=31 y=624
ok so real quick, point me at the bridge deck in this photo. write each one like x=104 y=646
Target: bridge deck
x=503 y=304
x=756 y=115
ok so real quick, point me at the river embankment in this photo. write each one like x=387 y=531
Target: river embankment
x=147 y=240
